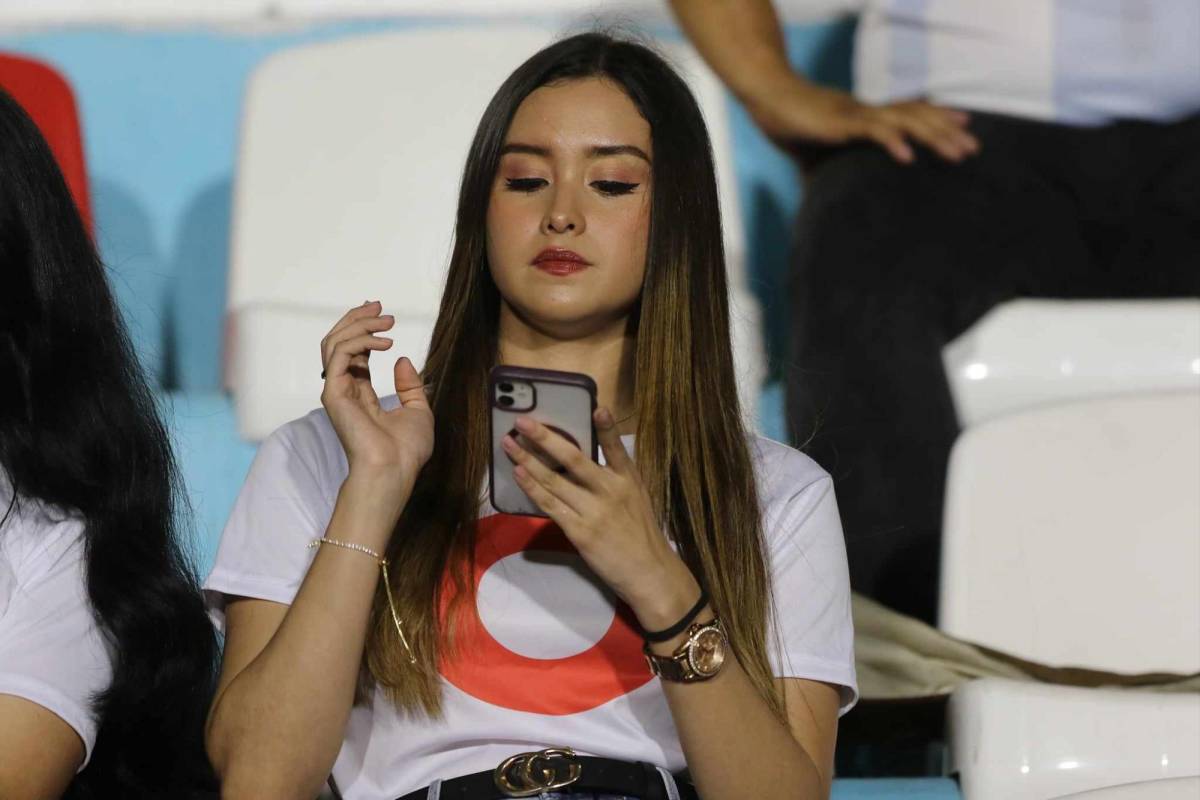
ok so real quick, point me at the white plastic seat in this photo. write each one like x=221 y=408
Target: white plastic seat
x=1164 y=789
x=347 y=184
x=1016 y=740
x=1029 y=353
x=1072 y=538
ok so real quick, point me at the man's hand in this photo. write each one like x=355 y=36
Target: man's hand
x=799 y=113
x=743 y=43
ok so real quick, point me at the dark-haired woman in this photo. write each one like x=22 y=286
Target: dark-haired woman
x=107 y=659
x=503 y=654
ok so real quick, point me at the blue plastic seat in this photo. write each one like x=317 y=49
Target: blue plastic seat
x=895 y=789
x=213 y=462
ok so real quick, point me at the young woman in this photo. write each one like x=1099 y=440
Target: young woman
x=588 y=240
x=107 y=659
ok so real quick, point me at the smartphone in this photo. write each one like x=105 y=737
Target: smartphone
x=562 y=401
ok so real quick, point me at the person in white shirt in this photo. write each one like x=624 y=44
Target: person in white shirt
x=990 y=150
x=502 y=652
x=107 y=659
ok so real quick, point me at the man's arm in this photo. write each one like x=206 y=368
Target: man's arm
x=743 y=43
x=740 y=39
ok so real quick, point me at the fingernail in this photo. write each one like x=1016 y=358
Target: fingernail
x=524 y=424
x=606 y=417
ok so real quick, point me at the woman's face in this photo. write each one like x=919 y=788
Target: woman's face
x=569 y=212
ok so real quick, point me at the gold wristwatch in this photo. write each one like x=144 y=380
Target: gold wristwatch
x=697 y=659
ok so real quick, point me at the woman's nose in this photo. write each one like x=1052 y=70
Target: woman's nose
x=563 y=216
x=559 y=223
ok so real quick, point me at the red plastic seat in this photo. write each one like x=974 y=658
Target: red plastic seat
x=47 y=97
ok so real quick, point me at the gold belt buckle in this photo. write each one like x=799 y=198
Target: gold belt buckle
x=527 y=774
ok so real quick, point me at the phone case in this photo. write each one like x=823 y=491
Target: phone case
x=564 y=401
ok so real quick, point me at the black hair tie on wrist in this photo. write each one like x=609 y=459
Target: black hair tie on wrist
x=681 y=626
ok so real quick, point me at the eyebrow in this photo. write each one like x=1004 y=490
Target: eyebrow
x=598 y=151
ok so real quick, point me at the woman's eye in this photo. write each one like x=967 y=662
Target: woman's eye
x=524 y=184
x=614 y=187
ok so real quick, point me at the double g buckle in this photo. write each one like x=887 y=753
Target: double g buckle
x=528 y=774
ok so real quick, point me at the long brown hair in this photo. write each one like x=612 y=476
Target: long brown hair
x=692 y=447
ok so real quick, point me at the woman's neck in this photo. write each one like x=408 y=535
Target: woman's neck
x=607 y=355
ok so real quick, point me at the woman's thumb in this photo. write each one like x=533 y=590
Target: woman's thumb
x=409 y=386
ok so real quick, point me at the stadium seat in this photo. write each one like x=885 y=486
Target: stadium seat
x=213 y=462
x=346 y=191
x=1165 y=789
x=1072 y=538
x=894 y=789
x=1032 y=741
x=47 y=97
x=1029 y=353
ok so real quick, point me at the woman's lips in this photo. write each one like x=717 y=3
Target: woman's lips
x=560 y=261
x=560 y=267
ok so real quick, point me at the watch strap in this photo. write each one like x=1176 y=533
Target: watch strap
x=670 y=668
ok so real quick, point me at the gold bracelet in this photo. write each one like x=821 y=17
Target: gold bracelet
x=348 y=545
x=387 y=586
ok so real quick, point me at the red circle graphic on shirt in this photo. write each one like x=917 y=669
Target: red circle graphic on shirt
x=485 y=669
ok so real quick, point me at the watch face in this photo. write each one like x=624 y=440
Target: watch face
x=707 y=652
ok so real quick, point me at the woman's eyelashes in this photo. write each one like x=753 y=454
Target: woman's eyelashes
x=528 y=185
x=524 y=184
x=614 y=187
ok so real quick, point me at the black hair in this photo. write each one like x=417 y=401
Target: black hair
x=79 y=430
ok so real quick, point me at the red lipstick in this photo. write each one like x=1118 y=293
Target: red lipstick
x=560 y=261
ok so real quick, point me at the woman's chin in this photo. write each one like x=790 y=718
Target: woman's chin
x=572 y=320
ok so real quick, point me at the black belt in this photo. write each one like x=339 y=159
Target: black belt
x=558 y=769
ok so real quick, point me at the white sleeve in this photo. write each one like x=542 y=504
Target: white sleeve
x=285 y=503
x=51 y=651
x=813 y=632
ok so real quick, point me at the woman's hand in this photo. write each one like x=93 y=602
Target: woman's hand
x=394 y=443
x=607 y=514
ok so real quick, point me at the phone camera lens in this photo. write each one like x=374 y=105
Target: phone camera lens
x=506 y=401
x=506 y=387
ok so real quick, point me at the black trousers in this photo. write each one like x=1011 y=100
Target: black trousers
x=895 y=261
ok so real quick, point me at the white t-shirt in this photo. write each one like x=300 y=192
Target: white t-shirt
x=51 y=651
x=1078 y=62
x=548 y=658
